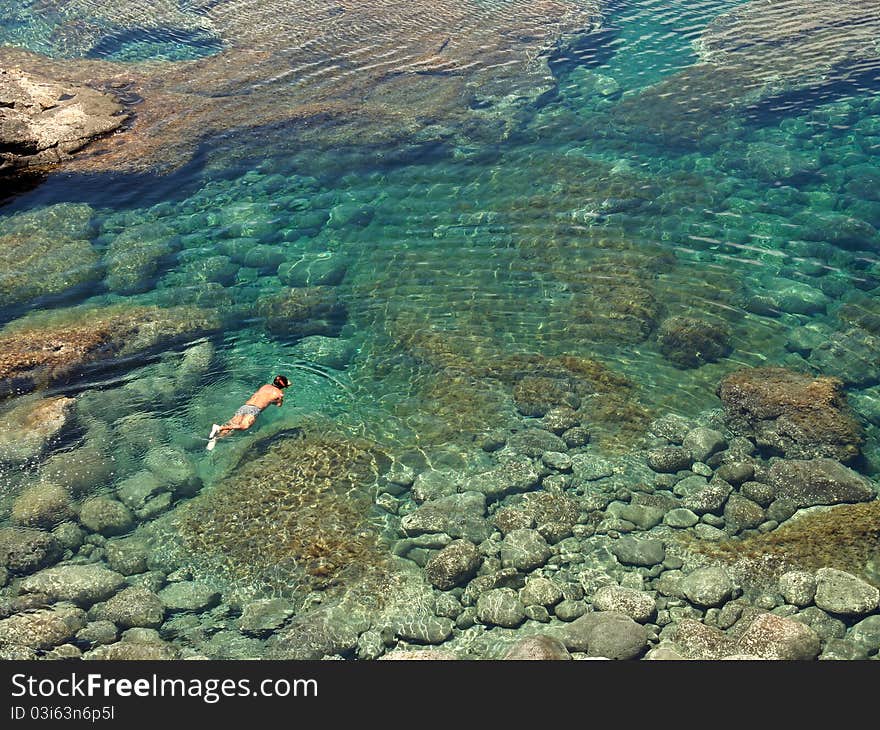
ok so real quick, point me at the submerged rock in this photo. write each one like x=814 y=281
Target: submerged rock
x=262 y=617
x=43 y=628
x=37 y=262
x=842 y=593
x=302 y=312
x=791 y=414
x=42 y=505
x=818 y=481
x=316 y=634
x=28 y=429
x=605 y=634
x=500 y=607
x=453 y=565
x=690 y=342
x=756 y=57
x=133 y=257
x=775 y=637
x=79 y=584
x=295 y=514
x=189 y=595
x=458 y=515
x=46 y=348
x=524 y=549
x=475 y=79
x=132 y=607
x=25 y=550
x=105 y=516
x=632 y=551
x=538 y=648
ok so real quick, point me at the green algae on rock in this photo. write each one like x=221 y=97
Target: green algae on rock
x=47 y=253
x=845 y=537
x=31 y=427
x=292 y=518
x=791 y=413
x=432 y=71
x=690 y=342
x=46 y=348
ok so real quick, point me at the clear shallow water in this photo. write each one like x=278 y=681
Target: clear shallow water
x=579 y=234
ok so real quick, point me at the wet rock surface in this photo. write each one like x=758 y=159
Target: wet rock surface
x=791 y=414
x=44 y=121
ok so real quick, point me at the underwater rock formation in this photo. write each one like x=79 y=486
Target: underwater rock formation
x=46 y=252
x=44 y=120
x=30 y=427
x=404 y=69
x=50 y=347
x=753 y=56
x=690 y=342
x=790 y=413
x=302 y=312
x=292 y=518
x=845 y=537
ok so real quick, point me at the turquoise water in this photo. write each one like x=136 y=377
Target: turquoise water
x=611 y=206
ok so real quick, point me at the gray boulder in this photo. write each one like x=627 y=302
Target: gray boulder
x=24 y=550
x=669 y=459
x=189 y=595
x=82 y=585
x=741 y=513
x=127 y=556
x=42 y=628
x=133 y=607
x=432 y=484
x=539 y=647
x=590 y=468
x=316 y=634
x=605 y=634
x=775 y=637
x=424 y=629
x=500 y=607
x=458 y=515
x=97 y=632
x=533 y=442
x=810 y=482
x=516 y=475
x=797 y=587
x=638 y=605
x=632 y=551
x=708 y=499
x=455 y=564
x=696 y=640
x=703 y=442
x=540 y=591
x=866 y=634
x=845 y=594
x=261 y=617
x=709 y=586
x=524 y=549
x=106 y=516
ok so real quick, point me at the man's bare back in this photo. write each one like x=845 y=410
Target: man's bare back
x=245 y=416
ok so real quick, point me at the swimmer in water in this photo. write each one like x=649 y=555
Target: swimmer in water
x=245 y=416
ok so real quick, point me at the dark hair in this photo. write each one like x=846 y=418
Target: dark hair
x=281 y=381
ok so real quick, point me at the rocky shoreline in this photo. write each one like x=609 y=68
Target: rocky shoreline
x=728 y=536
x=43 y=121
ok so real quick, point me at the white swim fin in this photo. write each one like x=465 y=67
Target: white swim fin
x=214 y=430
x=211 y=444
